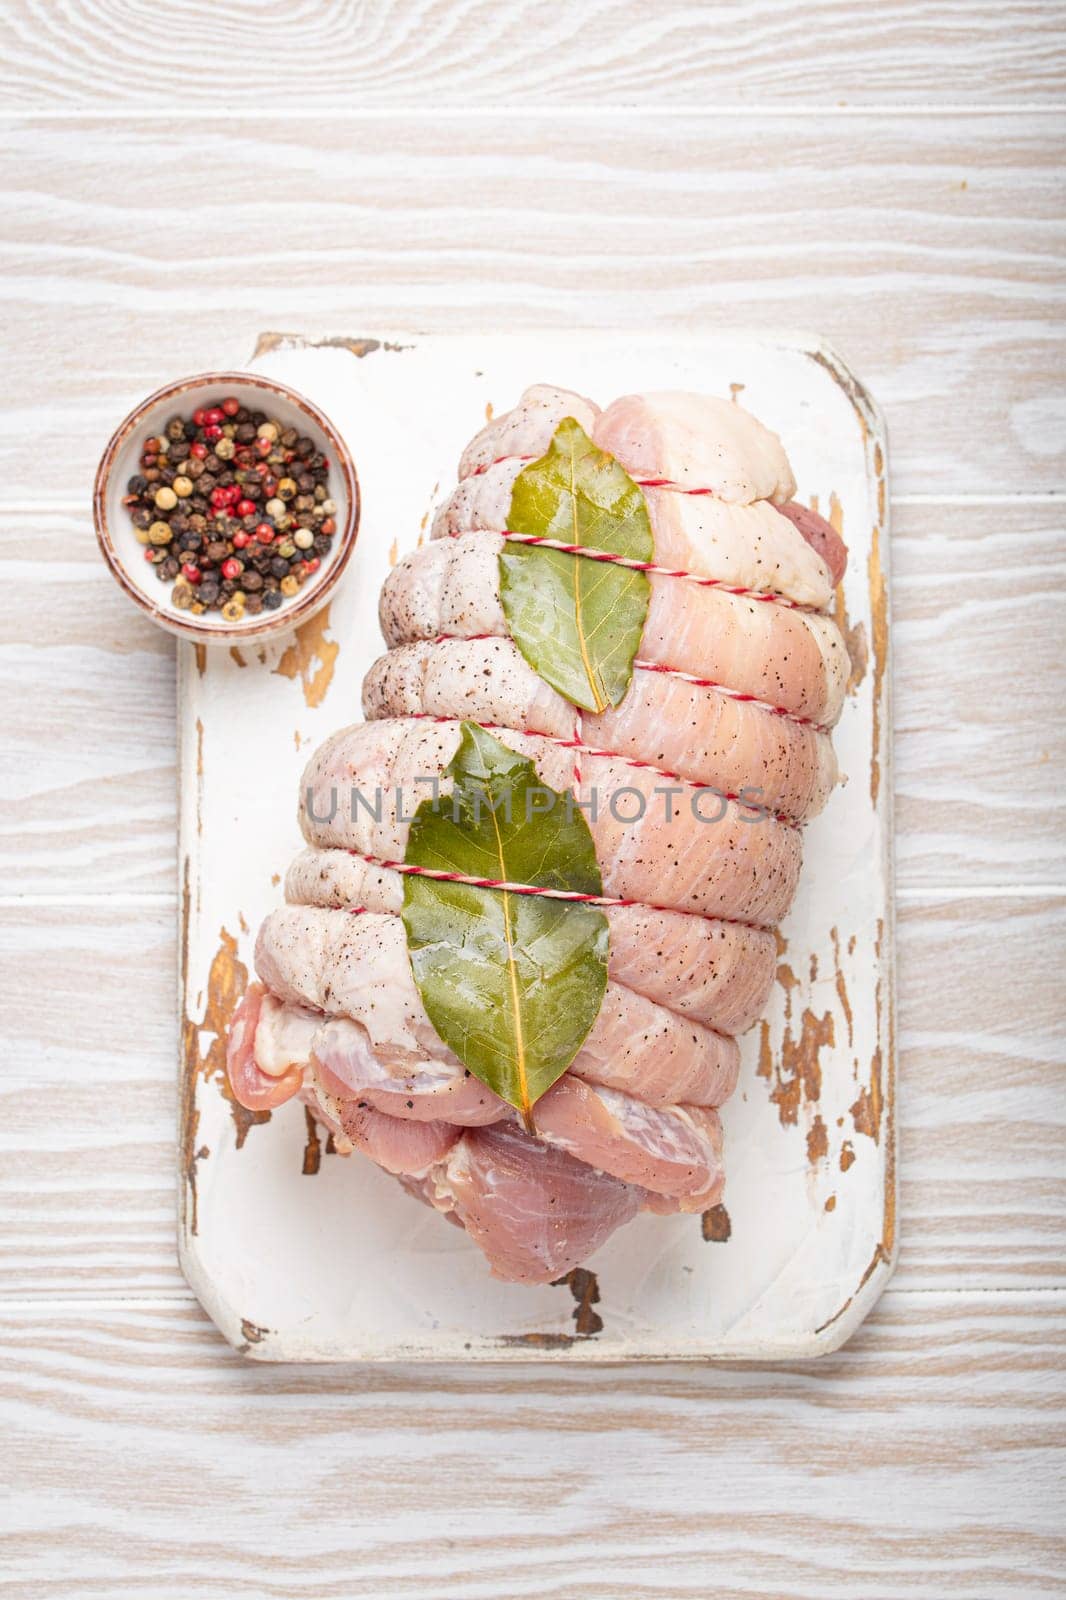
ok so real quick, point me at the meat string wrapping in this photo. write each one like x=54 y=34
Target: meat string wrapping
x=729 y=691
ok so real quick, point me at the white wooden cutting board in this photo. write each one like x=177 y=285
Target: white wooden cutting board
x=300 y=1254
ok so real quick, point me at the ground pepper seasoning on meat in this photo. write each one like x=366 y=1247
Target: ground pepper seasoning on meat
x=233 y=509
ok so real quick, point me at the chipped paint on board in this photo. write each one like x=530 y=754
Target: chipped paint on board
x=817 y=1141
x=794 y=1068
x=715 y=1226
x=840 y=984
x=267 y=343
x=251 y=1334
x=585 y=1289
x=312 y=1159
x=880 y=1257
x=188 y=1110
x=227 y=981
x=311 y=657
x=537 y=1341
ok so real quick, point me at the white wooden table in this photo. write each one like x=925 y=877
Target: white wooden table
x=889 y=176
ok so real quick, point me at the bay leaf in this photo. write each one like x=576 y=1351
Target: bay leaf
x=578 y=622
x=512 y=983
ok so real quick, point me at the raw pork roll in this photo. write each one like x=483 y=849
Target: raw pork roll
x=734 y=692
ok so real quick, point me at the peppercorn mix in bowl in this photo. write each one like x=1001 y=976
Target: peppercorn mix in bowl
x=227 y=506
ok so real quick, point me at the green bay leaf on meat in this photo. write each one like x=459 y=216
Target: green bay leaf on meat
x=512 y=983
x=577 y=621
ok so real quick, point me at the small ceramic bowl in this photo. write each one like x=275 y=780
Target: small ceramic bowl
x=125 y=555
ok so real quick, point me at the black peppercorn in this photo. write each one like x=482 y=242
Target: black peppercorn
x=137 y=484
x=279 y=567
x=272 y=599
x=251 y=580
x=322 y=544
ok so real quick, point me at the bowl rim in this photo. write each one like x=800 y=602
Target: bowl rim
x=286 y=618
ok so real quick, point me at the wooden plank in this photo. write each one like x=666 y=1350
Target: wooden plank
x=89 y=1075
x=927 y=249
x=462 y=53
x=89 y=743
x=89 y=785
x=144 y=1458
x=980 y=687
x=88 y=1087
x=982 y=1109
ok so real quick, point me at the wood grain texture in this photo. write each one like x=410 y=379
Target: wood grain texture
x=980 y=687
x=144 y=1459
x=982 y=1091
x=87 y=1202
x=928 y=250
x=338 y=55
x=88 y=773
x=141 y=1457
x=89 y=784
